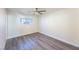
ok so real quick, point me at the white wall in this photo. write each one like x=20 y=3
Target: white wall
x=15 y=29
x=61 y=25
x=2 y=28
x=77 y=23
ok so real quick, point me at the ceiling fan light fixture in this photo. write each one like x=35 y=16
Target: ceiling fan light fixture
x=36 y=13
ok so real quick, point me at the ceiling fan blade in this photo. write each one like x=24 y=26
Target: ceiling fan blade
x=39 y=12
x=42 y=11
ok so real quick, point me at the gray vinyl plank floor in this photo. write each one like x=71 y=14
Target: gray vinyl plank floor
x=37 y=41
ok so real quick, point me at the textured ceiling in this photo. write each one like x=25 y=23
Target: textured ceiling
x=29 y=11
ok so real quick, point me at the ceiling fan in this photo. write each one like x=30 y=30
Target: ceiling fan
x=37 y=10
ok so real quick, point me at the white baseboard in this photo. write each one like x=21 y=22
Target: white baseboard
x=19 y=35
x=73 y=44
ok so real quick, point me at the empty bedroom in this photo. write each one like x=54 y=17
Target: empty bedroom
x=39 y=28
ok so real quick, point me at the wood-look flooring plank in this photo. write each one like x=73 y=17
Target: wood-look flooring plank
x=37 y=41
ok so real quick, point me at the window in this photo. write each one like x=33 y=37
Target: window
x=25 y=20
